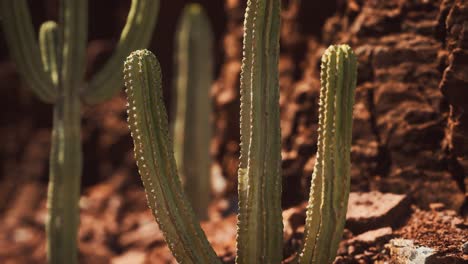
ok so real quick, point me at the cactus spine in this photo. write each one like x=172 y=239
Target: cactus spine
x=147 y=120
x=192 y=129
x=54 y=70
x=259 y=238
x=326 y=210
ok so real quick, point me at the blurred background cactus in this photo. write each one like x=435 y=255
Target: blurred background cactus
x=259 y=233
x=192 y=105
x=54 y=70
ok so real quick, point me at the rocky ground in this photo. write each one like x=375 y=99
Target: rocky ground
x=116 y=227
x=409 y=151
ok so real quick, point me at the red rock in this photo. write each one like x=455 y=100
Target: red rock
x=372 y=210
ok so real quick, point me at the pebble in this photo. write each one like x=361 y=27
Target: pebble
x=464 y=248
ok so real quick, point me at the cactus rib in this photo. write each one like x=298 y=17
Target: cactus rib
x=24 y=49
x=192 y=130
x=152 y=146
x=260 y=225
x=136 y=34
x=329 y=191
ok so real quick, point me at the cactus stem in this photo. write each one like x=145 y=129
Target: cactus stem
x=147 y=120
x=64 y=182
x=192 y=129
x=329 y=190
x=259 y=238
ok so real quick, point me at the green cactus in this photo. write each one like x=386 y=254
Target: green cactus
x=259 y=237
x=55 y=70
x=148 y=124
x=192 y=129
x=328 y=200
x=260 y=225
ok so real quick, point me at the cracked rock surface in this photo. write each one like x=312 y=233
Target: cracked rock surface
x=409 y=121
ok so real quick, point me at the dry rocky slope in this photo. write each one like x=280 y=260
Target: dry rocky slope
x=410 y=121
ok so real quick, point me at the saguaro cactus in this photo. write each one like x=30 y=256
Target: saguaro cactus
x=260 y=226
x=260 y=239
x=192 y=129
x=328 y=200
x=147 y=120
x=58 y=79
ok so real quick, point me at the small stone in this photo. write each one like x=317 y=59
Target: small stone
x=374 y=210
x=404 y=251
x=438 y=207
x=464 y=248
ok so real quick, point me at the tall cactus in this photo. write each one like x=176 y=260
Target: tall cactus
x=148 y=124
x=192 y=130
x=54 y=70
x=326 y=210
x=260 y=226
x=260 y=239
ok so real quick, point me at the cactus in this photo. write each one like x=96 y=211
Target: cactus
x=326 y=210
x=54 y=70
x=259 y=237
x=192 y=129
x=148 y=124
x=259 y=234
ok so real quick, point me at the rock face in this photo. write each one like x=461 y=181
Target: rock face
x=454 y=86
x=401 y=60
x=406 y=131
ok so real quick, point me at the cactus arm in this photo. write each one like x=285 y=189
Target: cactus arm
x=74 y=21
x=136 y=34
x=64 y=181
x=329 y=192
x=149 y=127
x=20 y=38
x=48 y=39
x=192 y=130
x=260 y=225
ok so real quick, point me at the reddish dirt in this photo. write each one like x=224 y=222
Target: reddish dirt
x=439 y=229
x=409 y=134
